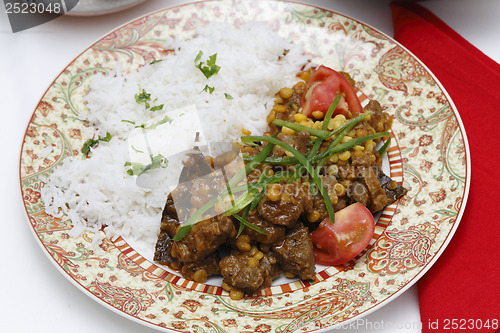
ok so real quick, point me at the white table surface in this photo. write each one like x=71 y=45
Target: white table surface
x=35 y=296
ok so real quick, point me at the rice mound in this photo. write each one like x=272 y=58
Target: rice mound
x=97 y=191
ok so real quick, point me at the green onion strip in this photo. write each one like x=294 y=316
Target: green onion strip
x=243 y=220
x=304 y=161
x=244 y=223
x=258 y=191
x=322 y=134
x=348 y=145
x=340 y=135
x=348 y=126
x=257 y=160
x=385 y=147
x=317 y=141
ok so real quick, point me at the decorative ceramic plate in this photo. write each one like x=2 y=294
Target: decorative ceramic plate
x=429 y=156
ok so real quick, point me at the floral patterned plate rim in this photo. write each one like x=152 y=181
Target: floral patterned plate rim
x=429 y=155
x=101 y=7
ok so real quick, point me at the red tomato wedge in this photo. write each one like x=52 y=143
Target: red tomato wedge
x=322 y=88
x=337 y=243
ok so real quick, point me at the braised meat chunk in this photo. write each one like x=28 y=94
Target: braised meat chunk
x=283 y=204
x=169 y=219
x=163 y=249
x=300 y=141
x=204 y=238
x=273 y=233
x=295 y=254
x=380 y=121
x=199 y=271
x=243 y=271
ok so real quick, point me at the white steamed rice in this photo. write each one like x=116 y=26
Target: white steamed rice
x=98 y=192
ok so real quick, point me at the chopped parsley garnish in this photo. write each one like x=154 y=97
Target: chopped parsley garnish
x=208 y=89
x=198 y=57
x=164 y=120
x=228 y=96
x=155 y=61
x=137 y=150
x=143 y=97
x=90 y=143
x=156 y=108
x=209 y=68
x=157 y=161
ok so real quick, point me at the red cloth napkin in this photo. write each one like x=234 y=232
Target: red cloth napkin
x=462 y=289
